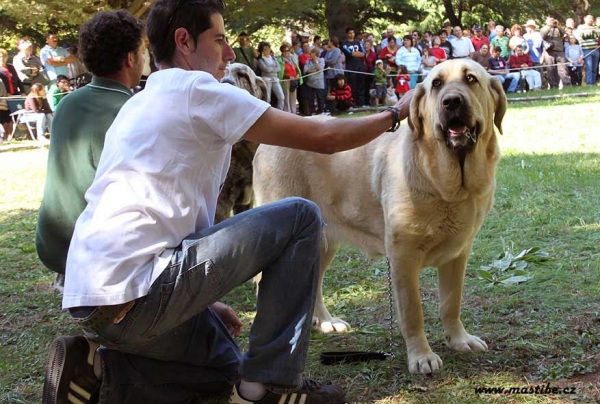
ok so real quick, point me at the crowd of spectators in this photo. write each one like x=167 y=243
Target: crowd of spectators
x=44 y=78
x=304 y=77
x=525 y=57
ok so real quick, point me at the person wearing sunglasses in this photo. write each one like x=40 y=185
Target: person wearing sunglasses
x=147 y=267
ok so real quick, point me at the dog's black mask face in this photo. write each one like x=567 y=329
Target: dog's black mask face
x=458 y=124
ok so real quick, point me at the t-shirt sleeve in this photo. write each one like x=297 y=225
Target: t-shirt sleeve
x=227 y=110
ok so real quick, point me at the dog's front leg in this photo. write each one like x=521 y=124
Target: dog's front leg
x=405 y=268
x=451 y=277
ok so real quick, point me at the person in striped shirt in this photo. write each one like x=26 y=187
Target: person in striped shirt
x=587 y=34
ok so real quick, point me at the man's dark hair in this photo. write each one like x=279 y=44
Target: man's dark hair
x=61 y=77
x=106 y=40
x=349 y=29
x=407 y=37
x=340 y=76
x=163 y=20
x=497 y=49
x=50 y=33
x=316 y=38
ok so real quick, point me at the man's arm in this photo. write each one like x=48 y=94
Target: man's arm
x=281 y=128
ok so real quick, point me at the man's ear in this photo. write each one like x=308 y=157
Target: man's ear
x=183 y=41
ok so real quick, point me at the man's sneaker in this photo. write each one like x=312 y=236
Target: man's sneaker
x=311 y=392
x=70 y=373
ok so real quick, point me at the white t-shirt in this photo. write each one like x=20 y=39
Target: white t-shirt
x=462 y=47
x=164 y=159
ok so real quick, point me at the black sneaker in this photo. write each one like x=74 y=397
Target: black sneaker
x=70 y=373
x=311 y=392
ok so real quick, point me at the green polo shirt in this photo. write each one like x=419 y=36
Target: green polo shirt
x=78 y=130
x=55 y=95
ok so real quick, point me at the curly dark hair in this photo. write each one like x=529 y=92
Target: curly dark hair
x=167 y=15
x=106 y=40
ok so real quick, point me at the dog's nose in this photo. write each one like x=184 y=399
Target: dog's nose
x=452 y=101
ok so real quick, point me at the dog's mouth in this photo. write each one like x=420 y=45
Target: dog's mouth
x=459 y=134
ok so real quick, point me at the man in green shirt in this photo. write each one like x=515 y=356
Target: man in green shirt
x=111 y=48
x=58 y=91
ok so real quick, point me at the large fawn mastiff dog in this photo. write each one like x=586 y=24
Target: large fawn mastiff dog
x=418 y=196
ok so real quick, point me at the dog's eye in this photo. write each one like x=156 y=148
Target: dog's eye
x=436 y=83
x=471 y=79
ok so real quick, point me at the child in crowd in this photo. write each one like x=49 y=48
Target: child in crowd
x=403 y=80
x=380 y=82
x=340 y=97
x=574 y=55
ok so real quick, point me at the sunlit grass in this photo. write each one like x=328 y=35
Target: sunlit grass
x=547 y=328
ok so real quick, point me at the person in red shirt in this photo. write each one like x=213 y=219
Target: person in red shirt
x=370 y=59
x=522 y=63
x=340 y=97
x=436 y=51
x=403 y=79
x=388 y=55
x=479 y=39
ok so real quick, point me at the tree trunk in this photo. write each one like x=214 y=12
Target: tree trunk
x=340 y=15
x=448 y=7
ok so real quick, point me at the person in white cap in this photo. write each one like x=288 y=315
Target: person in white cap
x=536 y=45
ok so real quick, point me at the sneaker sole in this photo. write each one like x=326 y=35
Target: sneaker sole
x=54 y=392
x=54 y=368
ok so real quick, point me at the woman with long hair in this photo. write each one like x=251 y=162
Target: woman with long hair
x=41 y=113
x=269 y=71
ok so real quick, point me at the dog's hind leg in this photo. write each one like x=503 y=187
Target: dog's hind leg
x=322 y=319
x=451 y=277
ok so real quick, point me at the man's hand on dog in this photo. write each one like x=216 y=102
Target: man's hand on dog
x=403 y=104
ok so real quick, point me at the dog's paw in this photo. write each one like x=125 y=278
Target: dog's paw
x=424 y=363
x=466 y=343
x=331 y=325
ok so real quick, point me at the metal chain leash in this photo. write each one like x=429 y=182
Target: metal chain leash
x=393 y=345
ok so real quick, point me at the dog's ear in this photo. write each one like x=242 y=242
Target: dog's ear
x=262 y=88
x=414 y=120
x=500 y=101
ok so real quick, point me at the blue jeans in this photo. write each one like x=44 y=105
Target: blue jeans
x=591 y=58
x=514 y=81
x=170 y=345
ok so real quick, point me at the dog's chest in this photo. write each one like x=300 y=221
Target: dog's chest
x=441 y=231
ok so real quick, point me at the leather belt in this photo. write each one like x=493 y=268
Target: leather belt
x=102 y=316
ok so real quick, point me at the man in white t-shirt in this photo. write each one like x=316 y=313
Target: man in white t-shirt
x=146 y=266
x=462 y=47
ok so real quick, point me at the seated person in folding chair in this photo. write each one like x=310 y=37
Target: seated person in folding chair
x=41 y=113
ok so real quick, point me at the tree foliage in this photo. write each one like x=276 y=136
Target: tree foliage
x=328 y=17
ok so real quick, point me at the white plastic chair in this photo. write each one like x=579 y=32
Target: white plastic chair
x=20 y=116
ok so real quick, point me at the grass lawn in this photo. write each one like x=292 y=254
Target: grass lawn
x=545 y=330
